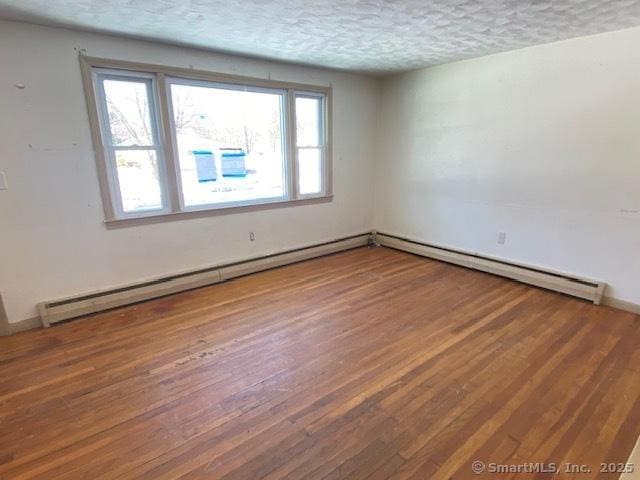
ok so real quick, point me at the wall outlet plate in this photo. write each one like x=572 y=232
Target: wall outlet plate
x=3 y=181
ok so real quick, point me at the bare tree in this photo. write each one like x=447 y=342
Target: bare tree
x=136 y=128
x=250 y=137
x=274 y=132
x=184 y=111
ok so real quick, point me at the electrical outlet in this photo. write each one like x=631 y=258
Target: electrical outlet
x=252 y=237
x=502 y=237
x=3 y=181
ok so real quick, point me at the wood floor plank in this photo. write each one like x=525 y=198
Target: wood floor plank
x=367 y=364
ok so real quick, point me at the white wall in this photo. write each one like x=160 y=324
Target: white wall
x=542 y=144
x=53 y=241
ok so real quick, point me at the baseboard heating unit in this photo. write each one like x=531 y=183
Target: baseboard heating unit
x=67 y=308
x=578 y=287
x=54 y=311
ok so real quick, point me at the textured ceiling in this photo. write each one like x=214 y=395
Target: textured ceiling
x=373 y=36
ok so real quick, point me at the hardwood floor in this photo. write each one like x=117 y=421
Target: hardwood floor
x=369 y=364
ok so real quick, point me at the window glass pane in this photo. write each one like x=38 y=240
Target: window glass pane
x=128 y=110
x=308 y=121
x=139 y=180
x=309 y=170
x=230 y=144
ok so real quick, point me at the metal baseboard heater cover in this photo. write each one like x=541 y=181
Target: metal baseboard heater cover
x=578 y=287
x=55 y=311
x=67 y=308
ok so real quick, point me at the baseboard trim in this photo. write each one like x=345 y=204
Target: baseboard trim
x=54 y=311
x=587 y=289
x=5 y=326
x=621 y=305
x=26 y=324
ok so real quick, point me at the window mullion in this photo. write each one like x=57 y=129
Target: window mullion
x=114 y=180
x=171 y=164
x=292 y=158
x=327 y=146
x=322 y=141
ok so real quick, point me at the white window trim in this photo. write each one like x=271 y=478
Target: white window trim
x=322 y=142
x=161 y=78
x=98 y=75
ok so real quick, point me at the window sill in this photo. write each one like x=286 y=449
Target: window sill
x=210 y=212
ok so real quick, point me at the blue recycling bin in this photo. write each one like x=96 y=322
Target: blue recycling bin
x=233 y=163
x=205 y=165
